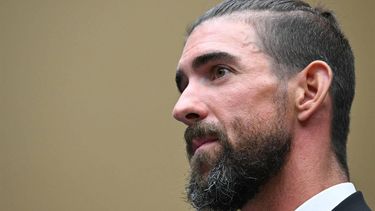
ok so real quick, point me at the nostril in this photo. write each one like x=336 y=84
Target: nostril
x=192 y=116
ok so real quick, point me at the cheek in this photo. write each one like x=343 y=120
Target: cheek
x=248 y=101
x=251 y=109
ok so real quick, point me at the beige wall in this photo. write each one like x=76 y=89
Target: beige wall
x=86 y=92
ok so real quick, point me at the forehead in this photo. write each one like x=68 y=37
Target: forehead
x=221 y=34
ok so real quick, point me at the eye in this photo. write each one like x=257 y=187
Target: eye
x=219 y=72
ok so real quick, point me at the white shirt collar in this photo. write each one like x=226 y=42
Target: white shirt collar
x=328 y=198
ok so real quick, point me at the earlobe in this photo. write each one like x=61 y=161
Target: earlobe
x=313 y=86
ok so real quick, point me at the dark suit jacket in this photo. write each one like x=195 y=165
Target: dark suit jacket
x=354 y=202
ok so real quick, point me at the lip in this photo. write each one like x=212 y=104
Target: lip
x=199 y=142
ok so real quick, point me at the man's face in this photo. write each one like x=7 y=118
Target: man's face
x=235 y=110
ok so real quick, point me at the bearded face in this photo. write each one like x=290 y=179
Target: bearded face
x=235 y=107
x=234 y=171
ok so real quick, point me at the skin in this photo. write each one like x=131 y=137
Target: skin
x=211 y=100
x=244 y=85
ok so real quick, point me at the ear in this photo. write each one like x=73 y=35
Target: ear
x=313 y=86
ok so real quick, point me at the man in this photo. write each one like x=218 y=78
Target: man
x=266 y=89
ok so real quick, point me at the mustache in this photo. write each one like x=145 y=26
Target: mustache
x=200 y=130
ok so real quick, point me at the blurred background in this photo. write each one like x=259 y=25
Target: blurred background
x=86 y=93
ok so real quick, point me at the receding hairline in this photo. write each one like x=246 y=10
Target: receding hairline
x=252 y=17
x=257 y=19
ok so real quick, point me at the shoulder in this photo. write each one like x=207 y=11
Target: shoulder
x=354 y=202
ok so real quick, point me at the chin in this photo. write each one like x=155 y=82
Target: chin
x=204 y=160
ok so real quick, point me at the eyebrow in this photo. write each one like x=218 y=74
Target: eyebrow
x=212 y=57
x=202 y=60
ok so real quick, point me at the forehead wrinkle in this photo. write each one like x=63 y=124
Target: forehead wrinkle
x=249 y=36
x=213 y=35
x=252 y=18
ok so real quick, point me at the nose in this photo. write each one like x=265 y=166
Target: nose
x=190 y=108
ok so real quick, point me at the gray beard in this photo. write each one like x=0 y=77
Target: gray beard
x=236 y=174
